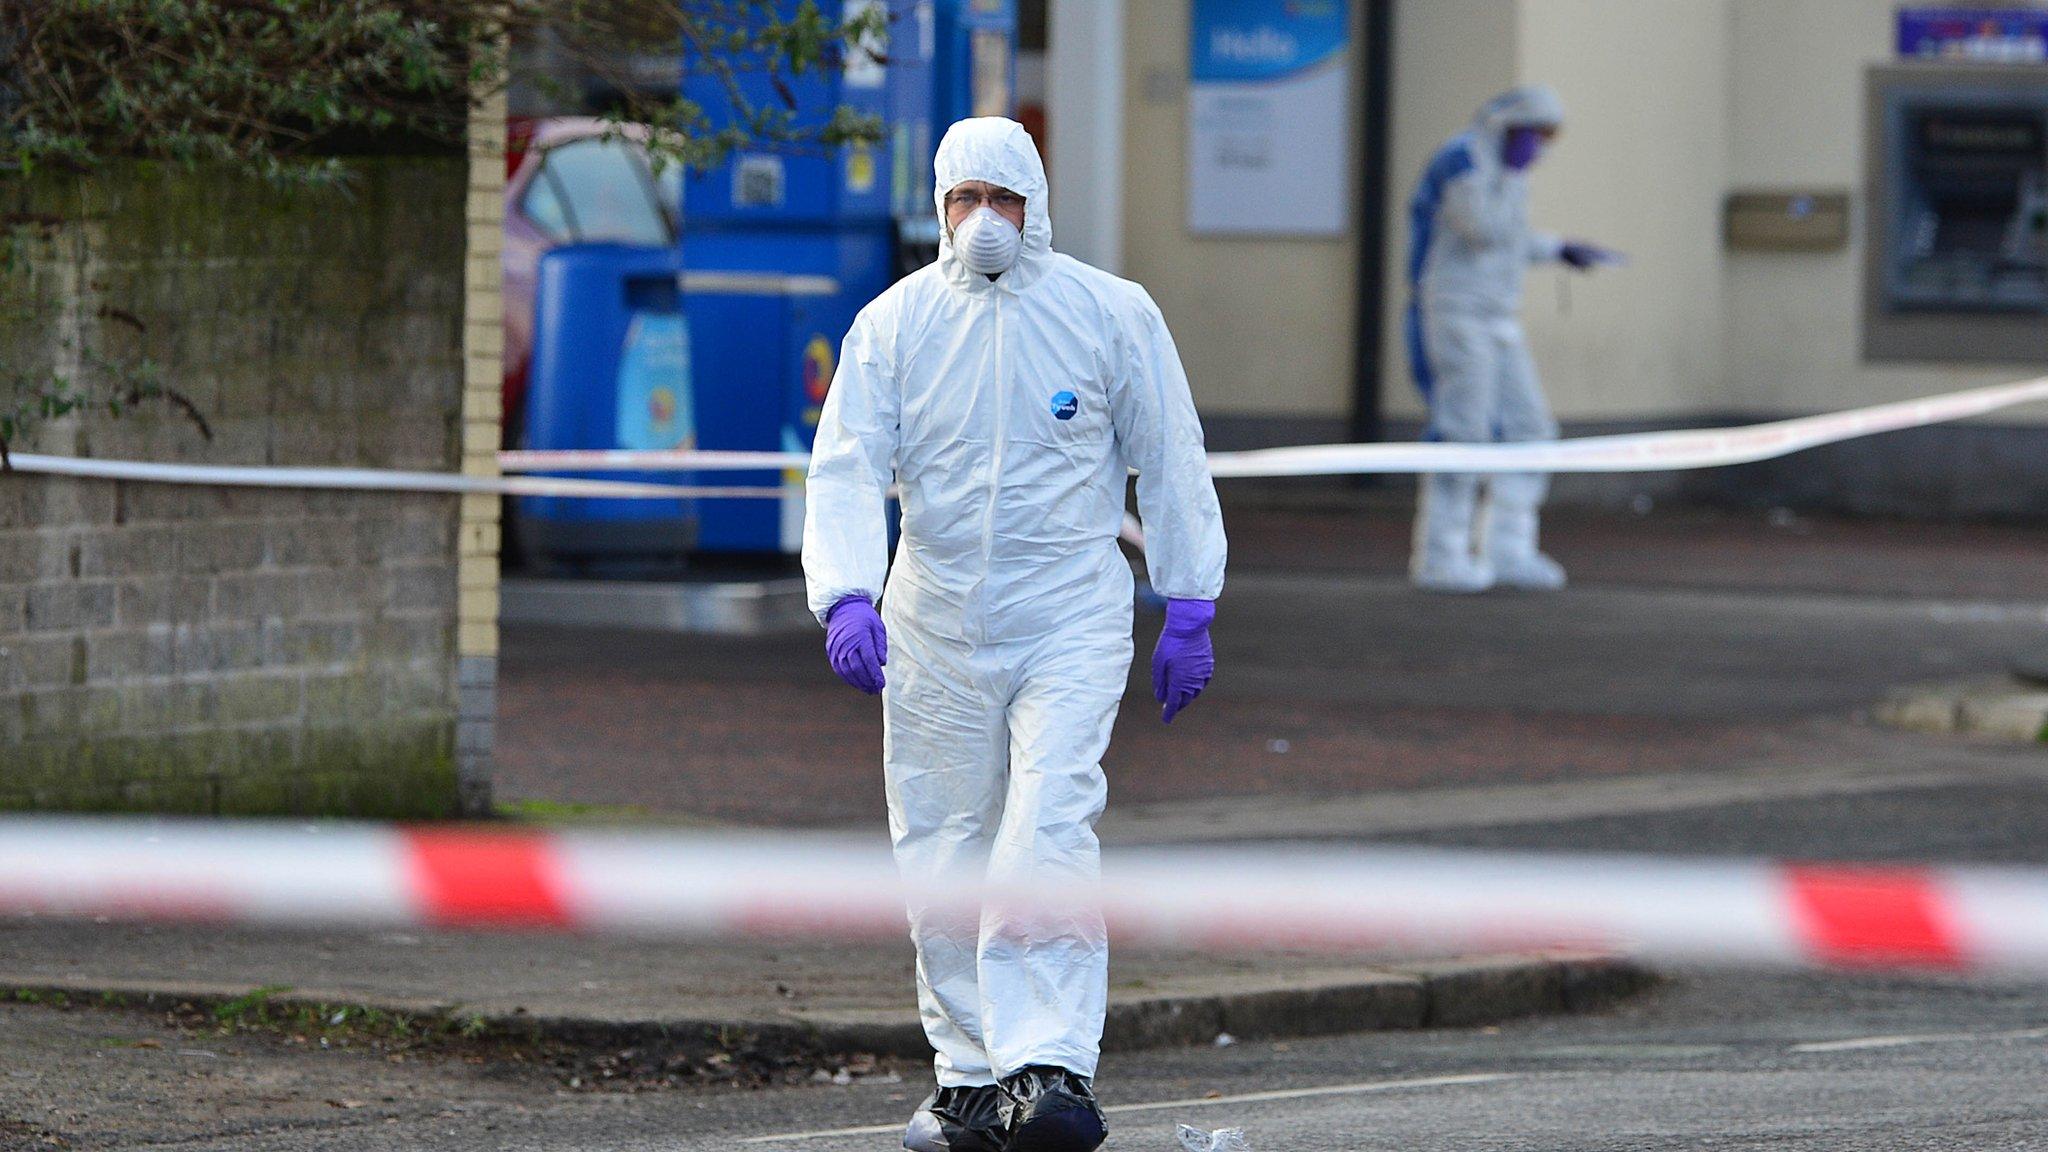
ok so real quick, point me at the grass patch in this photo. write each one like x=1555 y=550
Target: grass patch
x=271 y=1011
x=232 y=1012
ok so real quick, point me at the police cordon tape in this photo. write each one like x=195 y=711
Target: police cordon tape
x=275 y=874
x=1632 y=452
x=361 y=479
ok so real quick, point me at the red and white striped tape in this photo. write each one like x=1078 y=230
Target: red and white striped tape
x=1732 y=912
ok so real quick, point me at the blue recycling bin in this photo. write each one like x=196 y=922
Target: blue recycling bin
x=612 y=368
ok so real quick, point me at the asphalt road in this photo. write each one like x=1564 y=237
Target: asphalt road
x=1728 y=1062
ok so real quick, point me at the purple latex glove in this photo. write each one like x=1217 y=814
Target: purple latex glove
x=1184 y=659
x=1521 y=147
x=1583 y=256
x=856 y=643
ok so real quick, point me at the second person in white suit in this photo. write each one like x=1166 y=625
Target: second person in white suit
x=1469 y=245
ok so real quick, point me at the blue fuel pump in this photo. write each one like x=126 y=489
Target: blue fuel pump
x=778 y=250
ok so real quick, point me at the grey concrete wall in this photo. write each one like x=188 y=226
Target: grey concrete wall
x=176 y=648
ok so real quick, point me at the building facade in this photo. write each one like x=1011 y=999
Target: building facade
x=1675 y=106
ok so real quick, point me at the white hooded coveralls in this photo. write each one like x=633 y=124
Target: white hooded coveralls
x=1470 y=244
x=1008 y=412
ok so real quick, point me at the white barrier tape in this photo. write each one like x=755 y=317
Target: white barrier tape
x=1633 y=452
x=1755 y=912
x=648 y=460
x=365 y=479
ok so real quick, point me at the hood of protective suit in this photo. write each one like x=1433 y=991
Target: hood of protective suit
x=1530 y=106
x=998 y=151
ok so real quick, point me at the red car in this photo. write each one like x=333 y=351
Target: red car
x=573 y=180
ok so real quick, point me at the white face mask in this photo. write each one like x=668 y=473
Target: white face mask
x=986 y=242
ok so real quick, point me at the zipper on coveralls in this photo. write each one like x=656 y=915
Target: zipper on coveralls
x=995 y=467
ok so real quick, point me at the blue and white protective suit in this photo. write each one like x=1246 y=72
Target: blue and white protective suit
x=1008 y=412
x=1470 y=245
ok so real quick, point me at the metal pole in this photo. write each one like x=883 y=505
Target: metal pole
x=1375 y=132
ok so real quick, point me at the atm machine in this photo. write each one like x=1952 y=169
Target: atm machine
x=781 y=249
x=1957 y=229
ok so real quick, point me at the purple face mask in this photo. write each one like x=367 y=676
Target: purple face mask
x=1521 y=147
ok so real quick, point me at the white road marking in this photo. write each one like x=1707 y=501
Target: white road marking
x=1631 y=1051
x=1986 y=613
x=1328 y=1090
x=1192 y=1102
x=1868 y=1043
x=1865 y=1043
x=1856 y=1044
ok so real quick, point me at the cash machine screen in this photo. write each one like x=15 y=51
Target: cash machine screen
x=1969 y=200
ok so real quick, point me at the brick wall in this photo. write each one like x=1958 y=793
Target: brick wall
x=178 y=648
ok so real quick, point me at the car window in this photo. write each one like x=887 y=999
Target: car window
x=542 y=204
x=670 y=181
x=601 y=191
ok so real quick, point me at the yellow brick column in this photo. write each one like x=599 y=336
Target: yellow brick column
x=483 y=355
